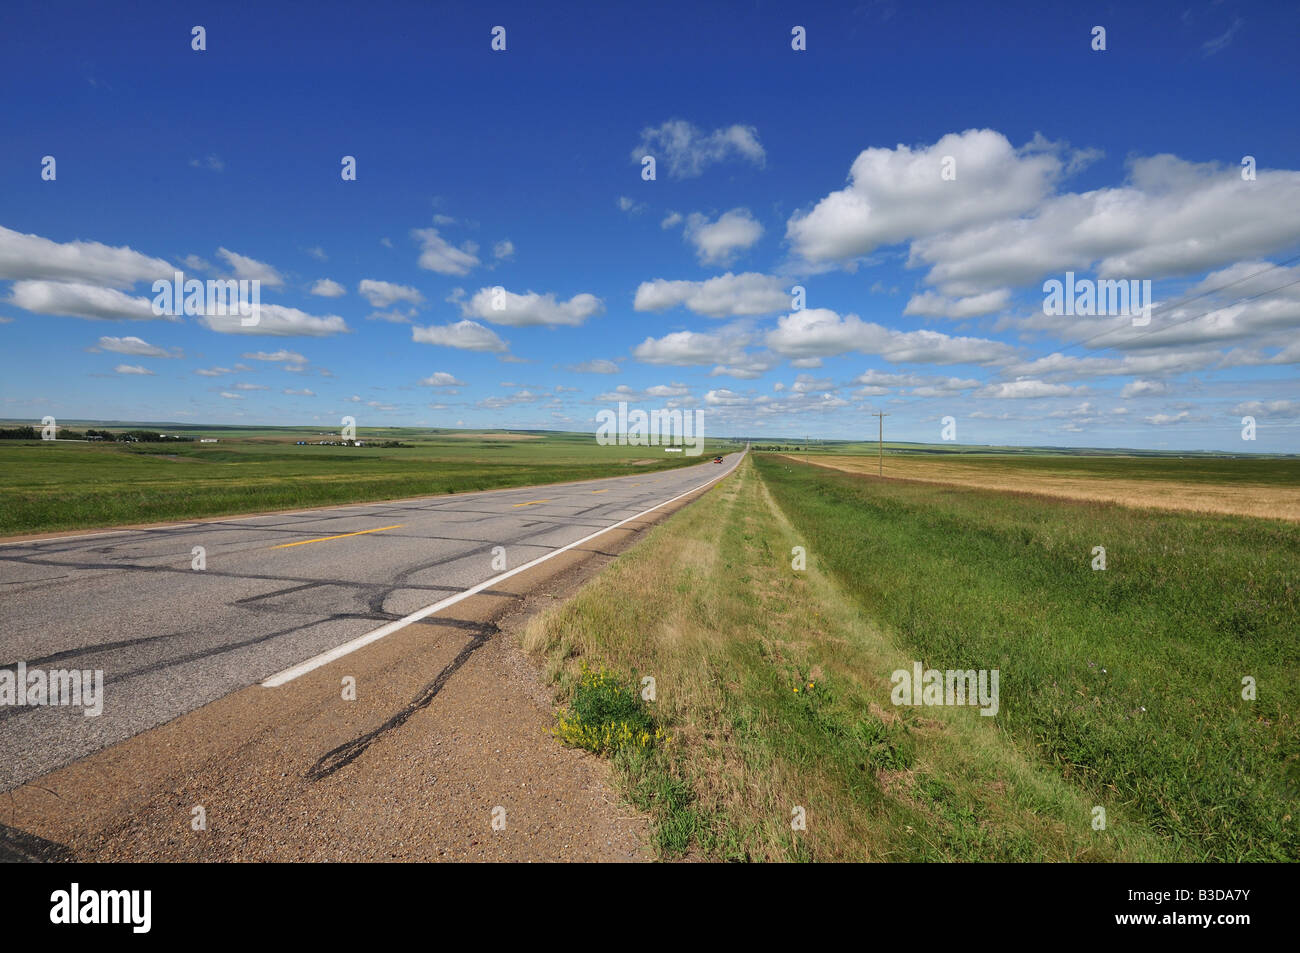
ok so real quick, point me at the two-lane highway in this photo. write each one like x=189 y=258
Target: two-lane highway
x=276 y=596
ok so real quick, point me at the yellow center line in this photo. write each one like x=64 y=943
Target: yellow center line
x=532 y=503
x=600 y=491
x=340 y=536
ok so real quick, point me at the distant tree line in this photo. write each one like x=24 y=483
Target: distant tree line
x=64 y=433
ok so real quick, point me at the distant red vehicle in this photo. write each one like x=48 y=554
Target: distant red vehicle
x=717 y=459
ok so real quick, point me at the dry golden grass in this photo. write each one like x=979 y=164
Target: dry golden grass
x=1242 y=499
x=709 y=605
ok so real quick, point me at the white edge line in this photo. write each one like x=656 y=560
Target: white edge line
x=347 y=648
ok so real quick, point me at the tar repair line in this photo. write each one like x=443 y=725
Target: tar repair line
x=347 y=648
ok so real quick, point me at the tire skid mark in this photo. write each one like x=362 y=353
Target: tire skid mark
x=349 y=751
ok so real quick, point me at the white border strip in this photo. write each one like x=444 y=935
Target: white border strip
x=347 y=648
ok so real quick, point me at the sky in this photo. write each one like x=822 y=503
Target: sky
x=865 y=225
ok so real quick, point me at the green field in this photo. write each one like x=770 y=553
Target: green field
x=52 y=485
x=1120 y=688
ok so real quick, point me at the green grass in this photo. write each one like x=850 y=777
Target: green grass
x=773 y=687
x=1126 y=682
x=56 y=485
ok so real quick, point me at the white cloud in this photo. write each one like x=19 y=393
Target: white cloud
x=136 y=347
x=723 y=296
x=132 y=369
x=1171 y=218
x=299 y=393
x=441 y=379
x=687 y=150
x=671 y=220
x=716 y=243
x=83 y=301
x=1144 y=389
x=1027 y=388
x=276 y=320
x=437 y=254
x=243 y=386
x=292 y=357
x=466 y=335
x=1276 y=409
x=251 y=268
x=724 y=397
x=327 y=288
x=899 y=194
x=819 y=332
x=595 y=366
x=1164 y=419
x=32 y=257
x=931 y=305
x=680 y=347
x=212 y=163
x=531 y=309
x=381 y=294
x=212 y=371
x=503 y=250
x=229 y=396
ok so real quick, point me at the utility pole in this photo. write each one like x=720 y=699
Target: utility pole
x=805 y=449
x=882 y=441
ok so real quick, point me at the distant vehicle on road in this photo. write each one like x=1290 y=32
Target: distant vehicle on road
x=717 y=459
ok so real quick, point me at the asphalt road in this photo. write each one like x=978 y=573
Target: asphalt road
x=276 y=591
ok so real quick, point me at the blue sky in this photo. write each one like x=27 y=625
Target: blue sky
x=775 y=168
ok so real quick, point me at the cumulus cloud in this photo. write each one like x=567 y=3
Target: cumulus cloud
x=250 y=268
x=686 y=150
x=819 y=332
x=136 y=347
x=595 y=366
x=1144 y=389
x=503 y=250
x=899 y=194
x=720 y=297
x=277 y=321
x=327 y=288
x=437 y=254
x=465 y=335
x=24 y=257
x=77 y=300
x=531 y=309
x=132 y=369
x=717 y=242
x=1027 y=388
x=1276 y=409
x=1171 y=218
x=441 y=379
x=381 y=294
x=291 y=357
x=683 y=348
x=931 y=305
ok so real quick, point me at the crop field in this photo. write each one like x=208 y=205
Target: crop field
x=53 y=485
x=1147 y=710
x=1266 y=487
